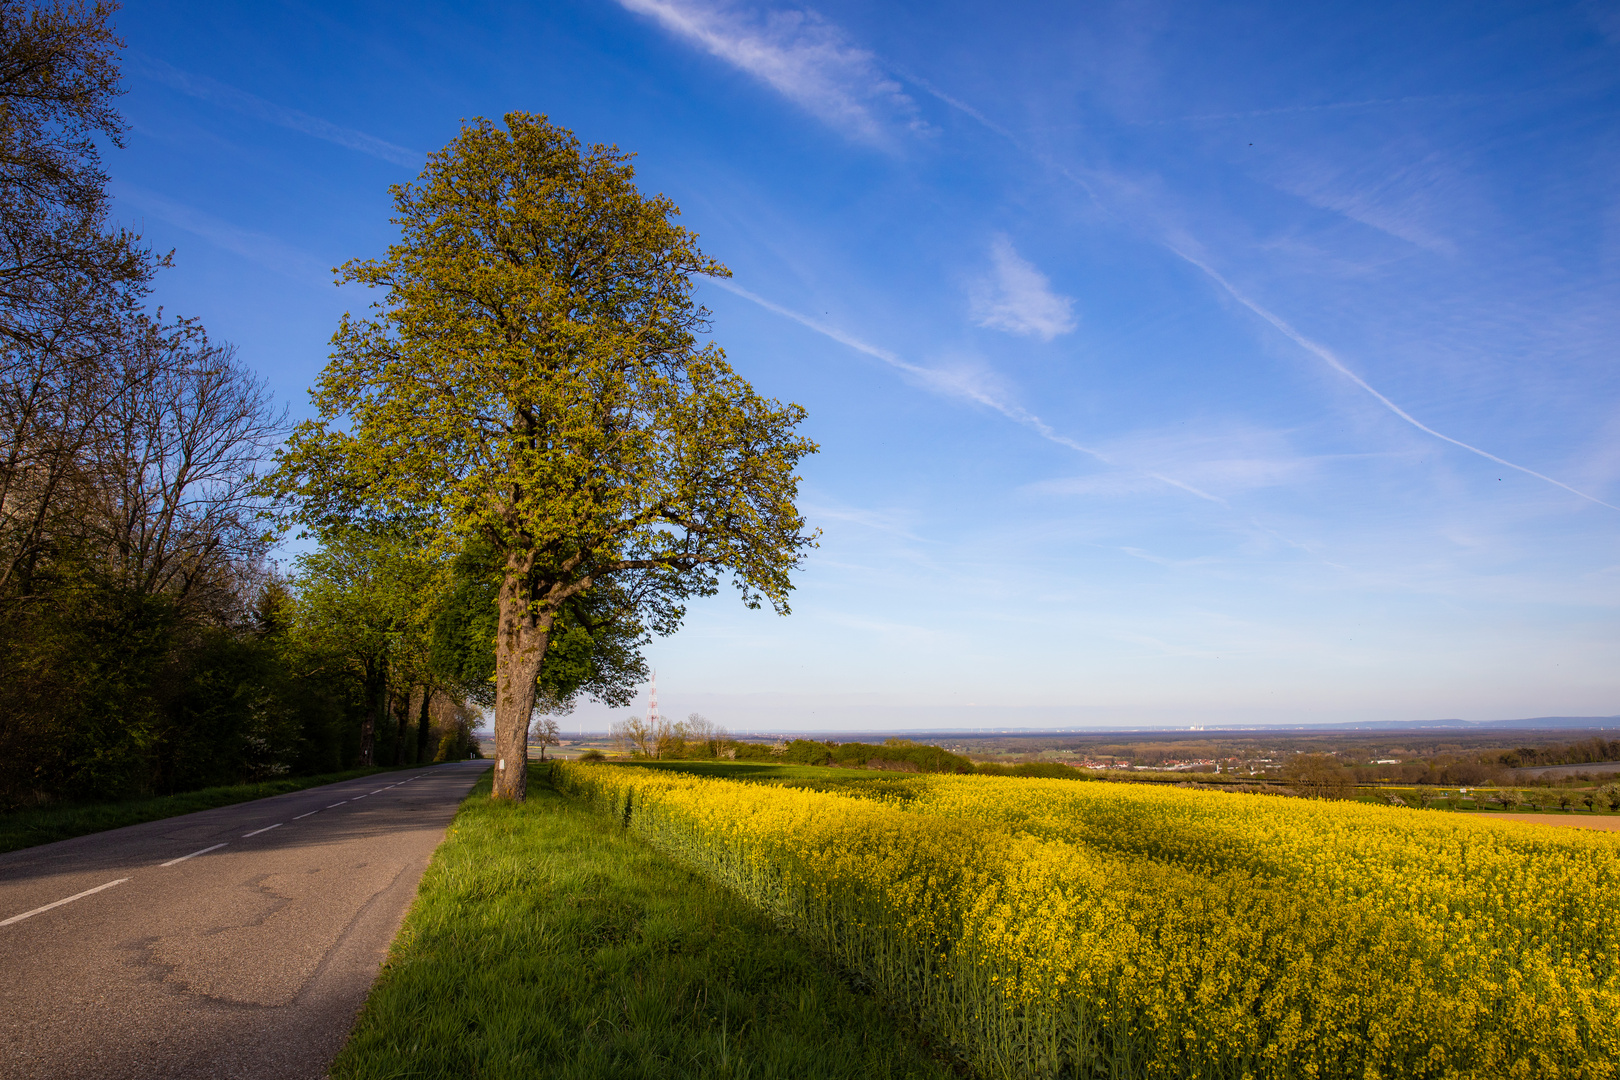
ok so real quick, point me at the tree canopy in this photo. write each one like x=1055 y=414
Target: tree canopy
x=531 y=378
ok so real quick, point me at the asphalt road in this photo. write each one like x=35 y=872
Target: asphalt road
x=235 y=942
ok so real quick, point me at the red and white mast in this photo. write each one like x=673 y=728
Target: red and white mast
x=652 y=703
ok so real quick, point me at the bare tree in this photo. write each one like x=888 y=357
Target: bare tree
x=544 y=732
x=633 y=735
x=1318 y=776
x=58 y=78
x=69 y=285
x=177 y=467
x=700 y=729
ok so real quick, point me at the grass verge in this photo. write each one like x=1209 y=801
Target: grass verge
x=756 y=771
x=546 y=942
x=27 y=828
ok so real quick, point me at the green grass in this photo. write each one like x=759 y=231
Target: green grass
x=759 y=770
x=27 y=828
x=546 y=942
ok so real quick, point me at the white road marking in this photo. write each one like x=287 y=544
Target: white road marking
x=267 y=828
x=306 y=815
x=357 y=798
x=59 y=903
x=193 y=855
x=340 y=802
x=379 y=789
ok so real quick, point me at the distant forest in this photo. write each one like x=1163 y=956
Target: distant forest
x=1586 y=752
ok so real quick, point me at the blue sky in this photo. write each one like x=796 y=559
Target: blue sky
x=1172 y=363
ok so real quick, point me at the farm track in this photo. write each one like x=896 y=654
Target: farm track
x=1607 y=823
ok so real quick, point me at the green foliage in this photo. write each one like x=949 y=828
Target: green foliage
x=1047 y=770
x=106 y=693
x=455 y=746
x=530 y=378
x=589 y=651
x=128 y=549
x=360 y=591
x=895 y=754
x=547 y=943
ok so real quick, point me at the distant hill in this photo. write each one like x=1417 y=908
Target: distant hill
x=1533 y=723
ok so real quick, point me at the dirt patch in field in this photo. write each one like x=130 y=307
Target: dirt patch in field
x=1608 y=822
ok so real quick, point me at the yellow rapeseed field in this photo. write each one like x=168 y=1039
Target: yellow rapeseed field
x=1055 y=928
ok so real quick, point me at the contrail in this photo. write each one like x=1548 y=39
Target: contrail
x=1319 y=351
x=200 y=86
x=1326 y=356
x=945 y=383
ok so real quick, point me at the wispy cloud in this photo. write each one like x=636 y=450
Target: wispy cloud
x=1018 y=298
x=1329 y=106
x=963 y=384
x=256 y=247
x=1322 y=353
x=1230 y=475
x=1104 y=485
x=218 y=93
x=1312 y=347
x=801 y=56
x=883 y=521
x=1227 y=461
x=1398 y=199
x=1174 y=564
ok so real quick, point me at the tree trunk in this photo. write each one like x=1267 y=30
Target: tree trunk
x=375 y=689
x=423 y=726
x=402 y=717
x=376 y=714
x=382 y=713
x=520 y=648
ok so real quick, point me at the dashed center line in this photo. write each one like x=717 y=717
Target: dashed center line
x=193 y=855
x=59 y=903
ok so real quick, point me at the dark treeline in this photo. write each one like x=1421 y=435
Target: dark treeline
x=146 y=646
x=1586 y=752
x=695 y=738
x=894 y=754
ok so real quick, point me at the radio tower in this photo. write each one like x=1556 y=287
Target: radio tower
x=652 y=703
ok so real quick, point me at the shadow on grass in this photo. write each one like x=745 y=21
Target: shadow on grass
x=546 y=942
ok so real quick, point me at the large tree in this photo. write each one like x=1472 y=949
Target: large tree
x=531 y=378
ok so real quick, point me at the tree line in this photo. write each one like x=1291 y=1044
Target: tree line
x=523 y=463
x=1585 y=752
